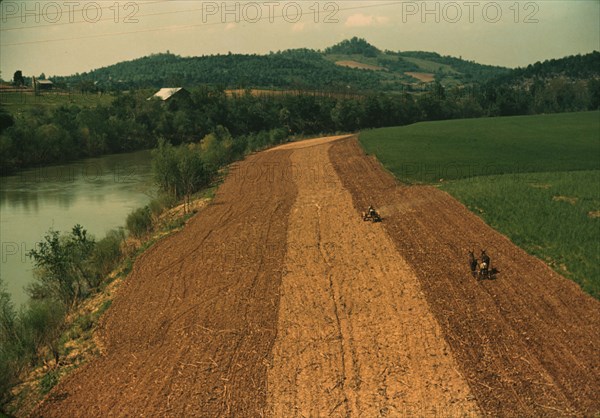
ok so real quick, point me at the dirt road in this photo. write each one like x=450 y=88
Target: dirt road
x=278 y=300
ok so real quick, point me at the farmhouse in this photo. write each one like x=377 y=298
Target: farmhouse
x=42 y=85
x=169 y=93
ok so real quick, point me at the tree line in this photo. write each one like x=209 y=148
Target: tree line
x=131 y=122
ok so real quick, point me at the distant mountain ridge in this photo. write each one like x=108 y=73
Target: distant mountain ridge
x=351 y=65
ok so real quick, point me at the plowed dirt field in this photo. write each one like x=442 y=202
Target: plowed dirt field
x=278 y=300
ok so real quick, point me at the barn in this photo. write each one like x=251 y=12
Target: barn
x=169 y=93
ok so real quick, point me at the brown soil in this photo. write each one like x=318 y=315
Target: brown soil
x=355 y=335
x=594 y=214
x=299 y=92
x=359 y=65
x=568 y=199
x=424 y=77
x=278 y=300
x=528 y=341
x=191 y=330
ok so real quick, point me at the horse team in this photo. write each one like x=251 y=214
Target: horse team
x=480 y=270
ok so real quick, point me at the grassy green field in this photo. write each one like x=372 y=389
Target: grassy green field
x=17 y=103
x=429 y=151
x=536 y=179
x=554 y=216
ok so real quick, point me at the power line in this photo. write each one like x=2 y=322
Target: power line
x=100 y=20
x=37 y=15
x=182 y=27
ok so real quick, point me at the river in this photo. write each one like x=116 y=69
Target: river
x=97 y=193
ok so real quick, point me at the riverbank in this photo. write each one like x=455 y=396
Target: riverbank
x=79 y=342
x=149 y=224
x=97 y=193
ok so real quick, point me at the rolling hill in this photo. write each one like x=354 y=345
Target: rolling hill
x=352 y=65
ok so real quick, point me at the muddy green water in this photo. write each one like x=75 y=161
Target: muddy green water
x=97 y=193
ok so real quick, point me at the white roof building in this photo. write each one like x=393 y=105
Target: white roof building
x=165 y=94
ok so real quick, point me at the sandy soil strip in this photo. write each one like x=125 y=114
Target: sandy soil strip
x=359 y=65
x=355 y=336
x=424 y=77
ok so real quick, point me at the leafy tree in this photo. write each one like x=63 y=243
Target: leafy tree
x=192 y=172
x=217 y=148
x=358 y=46
x=62 y=268
x=164 y=168
x=18 y=79
x=594 y=89
x=23 y=335
x=6 y=120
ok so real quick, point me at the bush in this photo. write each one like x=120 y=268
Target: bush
x=41 y=325
x=139 y=222
x=10 y=362
x=160 y=204
x=106 y=254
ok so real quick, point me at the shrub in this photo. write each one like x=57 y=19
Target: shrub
x=139 y=222
x=106 y=254
x=10 y=363
x=41 y=325
x=156 y=206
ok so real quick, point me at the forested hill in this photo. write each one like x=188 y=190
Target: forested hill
x=300 y=69
x=352 y=65
x=574 y=67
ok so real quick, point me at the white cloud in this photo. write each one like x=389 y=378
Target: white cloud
x=298 y=27
x=361 y=19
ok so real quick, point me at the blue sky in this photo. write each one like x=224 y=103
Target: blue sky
x=65 y=37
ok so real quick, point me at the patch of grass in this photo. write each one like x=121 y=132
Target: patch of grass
x=85 y=322
x=127 y=267
x=49 y=380
x=429 y=151
x=103 y=308
x=559 y=231
x=429 y=66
